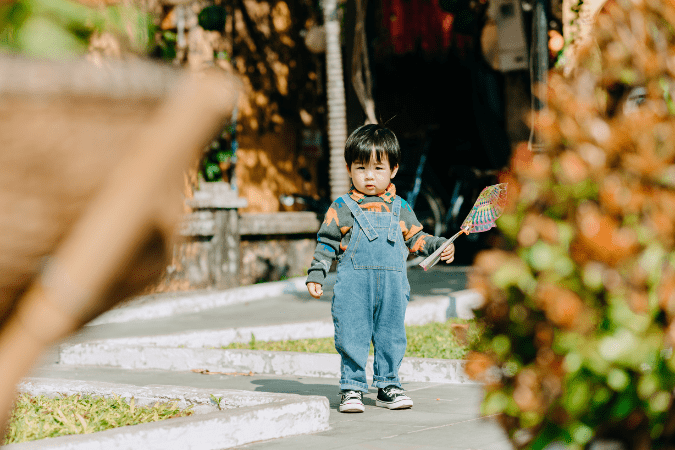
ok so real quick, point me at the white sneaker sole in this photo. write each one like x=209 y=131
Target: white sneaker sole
x=352 y=408
x=400 y=404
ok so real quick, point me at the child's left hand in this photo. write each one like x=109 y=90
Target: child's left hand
x=448 y=255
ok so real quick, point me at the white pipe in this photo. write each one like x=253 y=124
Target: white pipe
x=337 y=105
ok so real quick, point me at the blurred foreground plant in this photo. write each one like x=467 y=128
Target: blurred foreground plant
x=63 y=28
x=579 y=309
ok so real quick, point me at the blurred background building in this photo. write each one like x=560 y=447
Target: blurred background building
x=455 y=79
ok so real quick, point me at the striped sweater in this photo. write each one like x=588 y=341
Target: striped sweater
x=336 y=230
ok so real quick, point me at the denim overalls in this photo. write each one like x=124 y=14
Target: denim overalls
x=370 y=298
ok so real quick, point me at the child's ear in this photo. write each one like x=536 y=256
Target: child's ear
x=394 y=171
x=349 y=170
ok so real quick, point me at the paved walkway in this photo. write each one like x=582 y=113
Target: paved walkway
x=445 y=416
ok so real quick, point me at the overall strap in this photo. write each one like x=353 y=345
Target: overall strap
x=360 y=217
x=394 y=227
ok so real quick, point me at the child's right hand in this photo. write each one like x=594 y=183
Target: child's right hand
x=315 y=290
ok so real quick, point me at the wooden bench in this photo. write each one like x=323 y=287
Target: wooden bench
x=210 y=250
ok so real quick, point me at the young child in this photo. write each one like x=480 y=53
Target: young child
x=370 y=231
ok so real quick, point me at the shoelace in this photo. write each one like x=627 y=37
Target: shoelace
x=394 y=390
x=353 y=394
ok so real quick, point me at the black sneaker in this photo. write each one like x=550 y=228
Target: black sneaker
x=393 y=397
x=351 y=401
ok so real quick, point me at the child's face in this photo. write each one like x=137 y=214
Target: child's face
x=372 y=178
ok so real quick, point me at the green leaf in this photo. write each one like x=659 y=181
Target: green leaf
x=581 y=433
x=573 y=362
x=618 y=379
x=501 y=345
x=212 y=18
x=577 y=396
x=212 y=171
x=648 y=384
x=601 y=396
x=40 y=37
x=624 y=405
x=509 y=225
x=222 y=156
x=541 y=256
x=660 y=402
x=494 y=403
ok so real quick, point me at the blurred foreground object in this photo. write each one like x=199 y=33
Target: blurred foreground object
x=62 y=29
x=91 y=178
x=580 y=306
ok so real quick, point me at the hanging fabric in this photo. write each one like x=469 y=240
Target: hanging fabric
x=417 y=25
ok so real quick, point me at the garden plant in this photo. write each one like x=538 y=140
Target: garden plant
x=65 y=29
x=580 y=299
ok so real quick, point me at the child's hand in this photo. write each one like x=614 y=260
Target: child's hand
x=448 y=255
x=315 y=289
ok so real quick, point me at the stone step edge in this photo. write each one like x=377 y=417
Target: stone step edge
x=200 y=399
x=321 y=365
x=433 y=310
x=419 y=312
x=175 y=303
x=289 y=416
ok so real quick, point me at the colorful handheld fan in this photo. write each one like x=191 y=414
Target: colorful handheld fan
x=488 y=207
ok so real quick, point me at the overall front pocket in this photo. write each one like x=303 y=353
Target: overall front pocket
x=378 y=254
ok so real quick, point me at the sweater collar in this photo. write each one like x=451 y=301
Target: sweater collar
x=388 y=195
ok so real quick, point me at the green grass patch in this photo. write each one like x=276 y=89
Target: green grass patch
x=433 y=340
x=39 y=417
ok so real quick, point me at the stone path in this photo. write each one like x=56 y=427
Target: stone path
x=446 y=414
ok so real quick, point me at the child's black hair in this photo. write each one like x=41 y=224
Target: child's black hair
x=361 y=143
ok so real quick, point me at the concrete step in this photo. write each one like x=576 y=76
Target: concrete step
x=445 y=416
x=438 y=281
x=249 y=417
x=272 y=319
x=323 y=365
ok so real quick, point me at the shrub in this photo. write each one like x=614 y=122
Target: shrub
x=580 y=301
